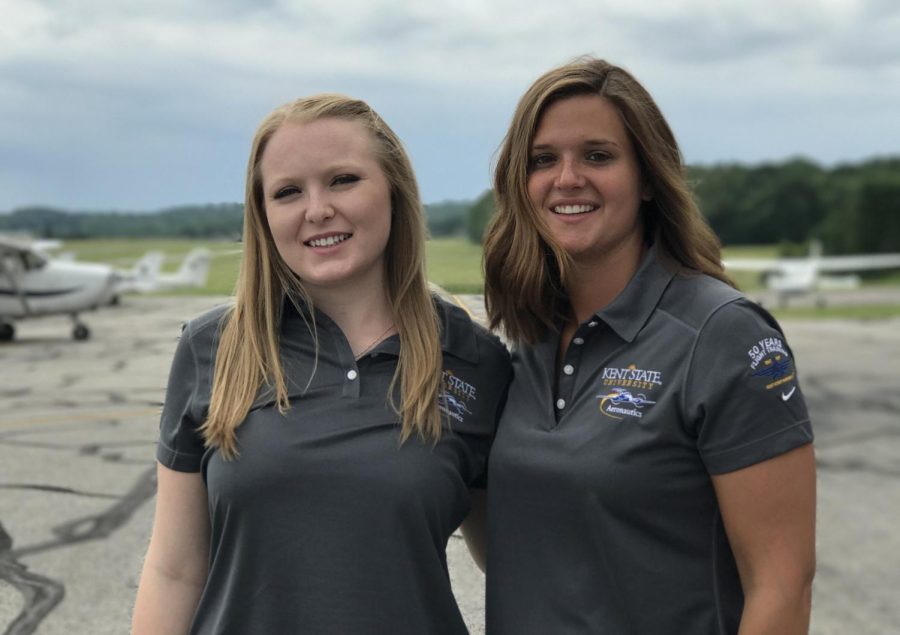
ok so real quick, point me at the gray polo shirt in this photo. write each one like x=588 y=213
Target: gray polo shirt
x=325 y=524
x=603 y=517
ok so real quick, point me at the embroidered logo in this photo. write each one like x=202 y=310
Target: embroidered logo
x=770 y=360
x=620 y=403
x=620 y=397
x=455 y=396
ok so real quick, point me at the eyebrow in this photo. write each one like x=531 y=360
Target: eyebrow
x=333 y=169
x=587 y=142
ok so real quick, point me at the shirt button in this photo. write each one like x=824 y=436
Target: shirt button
x=560 y=404
x=578 y=340
x=592 y=324
x=568 y=369
x=351 y=374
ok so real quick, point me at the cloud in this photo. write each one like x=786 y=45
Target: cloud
x=166 y=88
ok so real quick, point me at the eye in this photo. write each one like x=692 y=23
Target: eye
x=539 y=161
x=598 y=156
x=344 y=179
x=288 y=190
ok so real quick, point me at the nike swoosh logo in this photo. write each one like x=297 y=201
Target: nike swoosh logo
x=785 y=397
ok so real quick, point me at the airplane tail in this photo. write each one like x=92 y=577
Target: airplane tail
x=148 y=267
x=194 y=269
x=142 y=276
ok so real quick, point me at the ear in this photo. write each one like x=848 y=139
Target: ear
x=646 y=192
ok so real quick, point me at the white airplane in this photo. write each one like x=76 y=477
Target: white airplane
x=814 y=274
x=32 y=285
x=193 y=272
x=142 y=276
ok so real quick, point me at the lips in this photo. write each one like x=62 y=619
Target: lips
x=326 y=241
x=570 y=210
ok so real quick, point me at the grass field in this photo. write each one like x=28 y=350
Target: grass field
x=453 y=263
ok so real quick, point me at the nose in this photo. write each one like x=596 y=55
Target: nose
x=569 y=175
x=319 y=209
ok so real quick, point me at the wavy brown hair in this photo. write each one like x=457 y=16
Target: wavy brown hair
x=248 y=359
x=525 y=270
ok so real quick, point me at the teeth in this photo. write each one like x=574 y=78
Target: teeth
x=572 y=209
x=328 y=242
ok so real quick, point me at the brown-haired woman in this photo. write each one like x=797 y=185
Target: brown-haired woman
x=319 y=437
x=653 y=469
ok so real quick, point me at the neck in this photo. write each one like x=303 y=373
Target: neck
x=594 y=285
x=364 y=315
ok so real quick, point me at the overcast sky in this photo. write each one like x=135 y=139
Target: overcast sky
x=144 y=104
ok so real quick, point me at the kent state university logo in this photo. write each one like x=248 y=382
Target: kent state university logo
x=620 y=397
x=455 y=396
x=770 y=360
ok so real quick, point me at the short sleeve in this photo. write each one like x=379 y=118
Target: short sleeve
x=180 y=445
x=742 y=395
x=497 y=373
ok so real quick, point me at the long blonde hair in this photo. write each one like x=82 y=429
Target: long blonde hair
x=248 y=357
x=525 y=270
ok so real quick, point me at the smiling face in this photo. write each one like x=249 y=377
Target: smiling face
x=585 y=179
x=328 y=203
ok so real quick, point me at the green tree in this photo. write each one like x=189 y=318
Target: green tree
x=479 y=215
x=877 y=217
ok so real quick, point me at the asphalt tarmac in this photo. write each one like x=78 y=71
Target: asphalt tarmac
x=78 y=423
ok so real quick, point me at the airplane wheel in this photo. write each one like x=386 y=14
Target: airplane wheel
x=7 y=332
x=81 y=332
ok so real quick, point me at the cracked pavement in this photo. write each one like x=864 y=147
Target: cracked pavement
x=78 y=423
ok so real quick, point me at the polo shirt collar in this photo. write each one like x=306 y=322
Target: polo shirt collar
x=629 y=311
x=457 y=331
x=457 y=334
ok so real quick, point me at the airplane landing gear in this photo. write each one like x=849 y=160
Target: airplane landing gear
x=7 y=332
x=80 y=331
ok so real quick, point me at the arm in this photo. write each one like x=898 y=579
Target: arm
x=769 y=512
x=474 y=528
x=176 y=564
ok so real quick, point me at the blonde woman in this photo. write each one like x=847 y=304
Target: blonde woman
x=320 y=437
x=654 y=459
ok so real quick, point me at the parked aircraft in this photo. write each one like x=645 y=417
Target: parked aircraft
x=142 y=276
x=816 y=273
x=193 y=272
x=146 y=275
x=32 y=285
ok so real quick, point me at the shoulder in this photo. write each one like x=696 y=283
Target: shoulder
x=200 y=335
x=713 y=310
x=462 y=336
x=694 y=298
x=206 y=326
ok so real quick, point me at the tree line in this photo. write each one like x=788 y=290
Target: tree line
x=223 y=220
x=186 y=221
x=850 y=208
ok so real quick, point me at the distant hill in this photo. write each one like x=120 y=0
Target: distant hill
x=223 y=220
x=190 y=221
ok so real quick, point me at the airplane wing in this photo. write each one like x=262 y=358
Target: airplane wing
x=12 y=246
x=863 y=262
x=754 y=264
x=21 y=249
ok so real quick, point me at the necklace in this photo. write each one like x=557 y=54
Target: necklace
x=374 y=342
